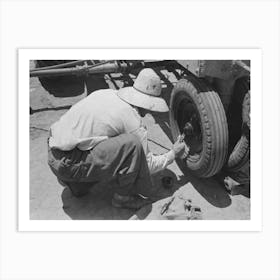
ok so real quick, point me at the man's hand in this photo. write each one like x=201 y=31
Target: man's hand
x=180 y=149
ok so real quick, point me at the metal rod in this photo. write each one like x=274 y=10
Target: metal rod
x=56 y=66
x=55 y=72
x=105 y=67
x=101 y=68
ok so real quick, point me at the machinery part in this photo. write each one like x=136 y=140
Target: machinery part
x=239 y=126
x=188 y=129
x=167 y=182
x=222 y=69
x=240 y=155
x=55 y=68
x=194 y=103
x=246 y=109
x=237 y=186
x=48 y=64
x=58 y=86
x=59 y=65
x=101 y=67
x=230 y=184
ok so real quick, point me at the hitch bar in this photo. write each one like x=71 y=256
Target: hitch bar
x=102 y=68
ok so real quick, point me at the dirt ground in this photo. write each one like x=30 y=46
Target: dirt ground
x=49 y=200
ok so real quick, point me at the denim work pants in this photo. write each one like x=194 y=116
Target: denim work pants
x=119 y=158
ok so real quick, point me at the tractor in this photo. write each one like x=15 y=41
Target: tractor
x=209 y=104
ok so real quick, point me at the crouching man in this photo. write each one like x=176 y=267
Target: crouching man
x=102 y=138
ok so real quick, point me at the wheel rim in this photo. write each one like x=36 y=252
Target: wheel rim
x=186 y=115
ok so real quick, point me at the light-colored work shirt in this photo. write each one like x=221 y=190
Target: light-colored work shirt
x=96 y=118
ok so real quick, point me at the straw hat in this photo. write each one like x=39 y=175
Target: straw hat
x=145 y=92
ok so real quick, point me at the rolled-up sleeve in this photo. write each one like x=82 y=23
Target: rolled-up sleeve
x=156 y=163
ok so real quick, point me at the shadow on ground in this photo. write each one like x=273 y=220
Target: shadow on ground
x=96 y=205
x=93 y=206
x=215 y=193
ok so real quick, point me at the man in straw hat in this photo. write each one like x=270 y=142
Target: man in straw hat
x=102 y=138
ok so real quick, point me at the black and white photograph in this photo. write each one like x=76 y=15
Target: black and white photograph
x=139 y=139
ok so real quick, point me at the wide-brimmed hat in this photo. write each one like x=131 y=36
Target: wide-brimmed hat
x=145 y=92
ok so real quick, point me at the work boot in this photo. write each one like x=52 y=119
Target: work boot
x=130 y=201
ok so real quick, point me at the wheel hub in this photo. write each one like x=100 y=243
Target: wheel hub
x=189 y=125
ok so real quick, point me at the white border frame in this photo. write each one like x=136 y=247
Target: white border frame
x=254 y=224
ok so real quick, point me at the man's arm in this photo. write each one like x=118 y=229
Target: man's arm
x=156 y=163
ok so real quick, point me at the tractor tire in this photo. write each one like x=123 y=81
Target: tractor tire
x=194 y=101
x=239 y=126
x=246 y=109
x=240 y=155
